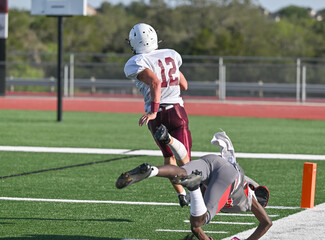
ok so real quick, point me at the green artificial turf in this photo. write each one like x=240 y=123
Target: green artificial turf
x=92 y=176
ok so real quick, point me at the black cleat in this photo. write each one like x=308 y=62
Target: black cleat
x=184 y=200
x=162 y=135
x=135 y=175
x=191 y=182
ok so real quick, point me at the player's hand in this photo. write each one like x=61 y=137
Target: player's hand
x=146 y=118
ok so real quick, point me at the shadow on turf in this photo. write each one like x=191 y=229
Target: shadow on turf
x=2 y=223
x=59 y=237
x=76 y=220
x=65 y=167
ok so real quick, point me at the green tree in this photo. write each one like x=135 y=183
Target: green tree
x=201 y=27
x=294 y=12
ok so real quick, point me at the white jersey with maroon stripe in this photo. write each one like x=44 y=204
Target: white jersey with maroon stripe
x=165 y=63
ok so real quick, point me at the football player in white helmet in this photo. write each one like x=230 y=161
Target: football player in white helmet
x=143 y=38
x=157 y=76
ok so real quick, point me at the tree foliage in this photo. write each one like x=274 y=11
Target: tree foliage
x=194 y=27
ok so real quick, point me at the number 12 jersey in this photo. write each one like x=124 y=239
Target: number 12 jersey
x=165 y=63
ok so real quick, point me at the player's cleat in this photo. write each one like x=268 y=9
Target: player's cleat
x=135 y=175
x=191 y=182
x=184 y=200
x=235 y=238
x=162 y=134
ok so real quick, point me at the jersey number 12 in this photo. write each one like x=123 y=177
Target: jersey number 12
x=169 y=62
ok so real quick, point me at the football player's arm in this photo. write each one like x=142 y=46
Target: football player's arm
x=149 y=77
x=263 y=218
x=182 y=82
x=196 y=223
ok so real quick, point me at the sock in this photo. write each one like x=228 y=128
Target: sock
x=182 y=193
x=154 y=172
x=178 y=149
x=198 y=207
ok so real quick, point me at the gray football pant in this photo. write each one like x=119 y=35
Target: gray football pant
x=218 y=177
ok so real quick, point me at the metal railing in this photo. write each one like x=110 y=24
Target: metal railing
x=223 y=77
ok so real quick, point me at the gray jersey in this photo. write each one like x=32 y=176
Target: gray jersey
x=224 y=185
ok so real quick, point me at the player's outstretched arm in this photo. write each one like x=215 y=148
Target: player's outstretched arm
x=196 y=223
x=149 y=77
x=263 y=218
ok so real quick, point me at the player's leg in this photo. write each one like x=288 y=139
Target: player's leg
x=180 y=157
x=179 y=140
x=169 y=157
x=178 y=149
x=183 y=198
x=172 y=161
x=175 y=123
x=200 y=171
x=145 y=170
x=178 y=127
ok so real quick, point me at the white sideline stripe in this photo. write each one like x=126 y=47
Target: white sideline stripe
x=275 y=207
x=185 y=231
x=154 y=152
x=242 y=215
x=109 y=202
x=229 y=223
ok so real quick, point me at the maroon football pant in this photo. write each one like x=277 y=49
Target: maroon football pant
x=176 y=121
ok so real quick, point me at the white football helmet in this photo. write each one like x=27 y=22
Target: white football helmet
x=143 y=38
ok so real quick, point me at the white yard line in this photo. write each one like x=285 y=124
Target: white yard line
x=242 y=214
x=154 y=152
x=227 y=223
x=189 y=231
x=106 y=201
